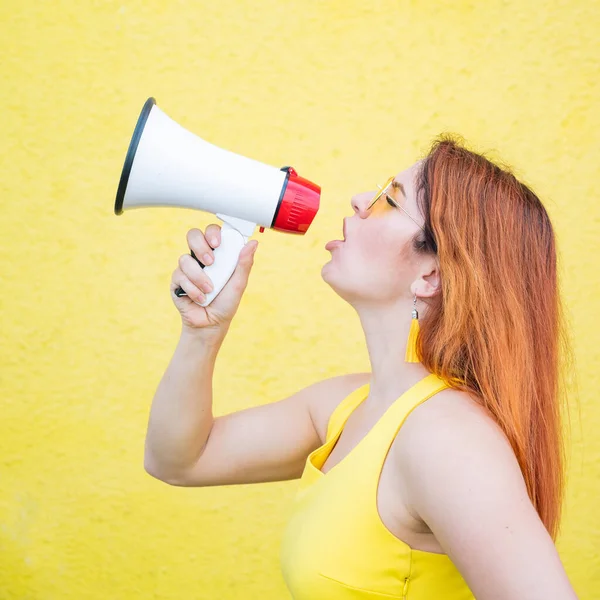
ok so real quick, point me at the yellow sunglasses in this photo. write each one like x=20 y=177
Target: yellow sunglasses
x=384 y=191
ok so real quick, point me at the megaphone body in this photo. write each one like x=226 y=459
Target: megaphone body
x=167 y=165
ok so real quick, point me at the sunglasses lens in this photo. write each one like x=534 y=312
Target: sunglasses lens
x=381 y=191
x=377 y=196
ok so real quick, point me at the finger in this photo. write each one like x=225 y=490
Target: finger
x=213 y=235
x=200 y=247
x=192 y=270
x=244 y=265
x=180 y=280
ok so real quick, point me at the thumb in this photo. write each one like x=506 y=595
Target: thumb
x=245 y=262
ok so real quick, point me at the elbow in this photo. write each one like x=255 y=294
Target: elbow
x=154 y=470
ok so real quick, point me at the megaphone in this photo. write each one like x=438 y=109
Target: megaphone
x=167 y=165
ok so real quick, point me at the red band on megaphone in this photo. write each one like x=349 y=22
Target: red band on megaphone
x=299 y=204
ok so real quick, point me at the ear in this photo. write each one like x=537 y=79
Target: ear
x=428 y=283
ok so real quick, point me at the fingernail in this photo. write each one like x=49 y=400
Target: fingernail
x=207 y=259
x=213 y=242
x=207 y=287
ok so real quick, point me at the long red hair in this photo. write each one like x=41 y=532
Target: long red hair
x=497 y=328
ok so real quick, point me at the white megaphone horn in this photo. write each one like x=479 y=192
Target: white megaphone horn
x=167 y=165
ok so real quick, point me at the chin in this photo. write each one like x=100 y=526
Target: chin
x=329 y=277
x=326 y=274
x=326 y=271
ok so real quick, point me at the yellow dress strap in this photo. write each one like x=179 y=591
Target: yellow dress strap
x=344 y=409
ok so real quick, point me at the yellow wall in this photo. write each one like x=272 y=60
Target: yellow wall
x=347 y=92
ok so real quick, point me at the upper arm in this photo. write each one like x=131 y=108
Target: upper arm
x=269 y=442
x=464 y=482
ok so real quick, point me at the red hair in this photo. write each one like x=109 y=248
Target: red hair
x=496 y=330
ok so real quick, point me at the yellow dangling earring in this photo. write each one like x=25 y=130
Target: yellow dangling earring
x=411 y=344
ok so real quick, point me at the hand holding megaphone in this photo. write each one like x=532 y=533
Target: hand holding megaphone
x=166 y=165
x=191 y=277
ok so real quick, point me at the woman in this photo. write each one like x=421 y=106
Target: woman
x=439 y=473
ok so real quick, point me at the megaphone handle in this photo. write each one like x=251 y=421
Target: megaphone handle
x=226 y=258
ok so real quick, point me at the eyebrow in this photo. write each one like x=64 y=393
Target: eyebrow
x=398 y=185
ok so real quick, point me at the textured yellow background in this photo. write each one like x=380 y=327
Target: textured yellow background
x=347 y=92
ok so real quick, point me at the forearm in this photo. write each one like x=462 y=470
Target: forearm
x=181 y=414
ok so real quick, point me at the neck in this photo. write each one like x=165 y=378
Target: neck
x=386 y=331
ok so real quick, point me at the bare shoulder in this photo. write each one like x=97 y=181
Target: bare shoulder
x=448 y=429
x=327 y=395
x=450 y=412
x=460 y=477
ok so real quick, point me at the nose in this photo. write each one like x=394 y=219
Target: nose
x=360 y=203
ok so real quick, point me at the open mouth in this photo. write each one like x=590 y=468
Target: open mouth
x=335 y=243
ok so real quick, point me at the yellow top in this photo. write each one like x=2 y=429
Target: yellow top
x=335 y=546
